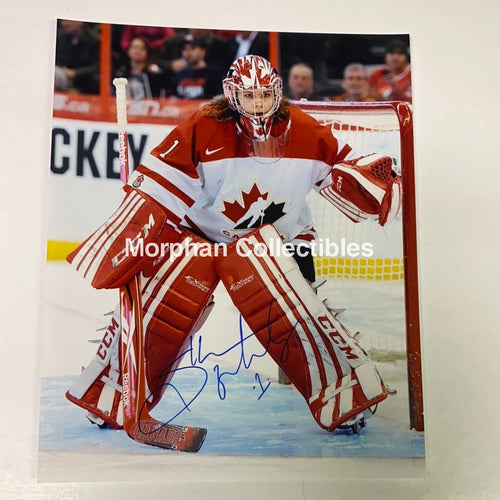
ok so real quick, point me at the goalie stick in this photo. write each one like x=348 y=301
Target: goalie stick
x=137 y=421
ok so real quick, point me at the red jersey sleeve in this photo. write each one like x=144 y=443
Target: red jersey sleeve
x=168 y=174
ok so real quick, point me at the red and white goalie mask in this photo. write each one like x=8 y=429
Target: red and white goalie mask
x=254 y=89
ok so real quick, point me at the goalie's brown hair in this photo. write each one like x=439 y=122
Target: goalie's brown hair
x=219 y=109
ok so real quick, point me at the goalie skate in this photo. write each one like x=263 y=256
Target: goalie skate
x=356 y=423
x=96 y=420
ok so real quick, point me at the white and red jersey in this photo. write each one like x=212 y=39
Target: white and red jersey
x=204 y=173
x=396 y=89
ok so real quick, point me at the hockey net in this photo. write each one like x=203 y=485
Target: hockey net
x=372 y=271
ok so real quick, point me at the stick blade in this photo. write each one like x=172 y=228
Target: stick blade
x=168 y=436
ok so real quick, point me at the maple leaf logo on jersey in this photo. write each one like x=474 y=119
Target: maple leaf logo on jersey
x=253 y=210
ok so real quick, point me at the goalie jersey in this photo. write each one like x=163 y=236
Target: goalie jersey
x=215 y=181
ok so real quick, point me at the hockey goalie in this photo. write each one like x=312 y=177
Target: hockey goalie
x=237 y=173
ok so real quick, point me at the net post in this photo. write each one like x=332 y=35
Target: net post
x=414 y=348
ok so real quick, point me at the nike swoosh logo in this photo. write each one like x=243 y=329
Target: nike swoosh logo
x=209 y=152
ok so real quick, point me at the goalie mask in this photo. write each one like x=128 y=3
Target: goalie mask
x=254 y=89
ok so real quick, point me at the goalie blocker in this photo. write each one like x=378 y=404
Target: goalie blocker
x=318 y=354
x=111 y=256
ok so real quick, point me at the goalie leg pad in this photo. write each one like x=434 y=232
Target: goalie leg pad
x=318 y=354
x=98 y=388
x=176 y=300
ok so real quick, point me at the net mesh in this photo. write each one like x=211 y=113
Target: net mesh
x=359 y=250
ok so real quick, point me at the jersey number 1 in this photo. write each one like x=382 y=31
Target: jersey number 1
x=170 y=149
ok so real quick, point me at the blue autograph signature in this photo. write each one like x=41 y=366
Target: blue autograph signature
x=197 y=358
x=243 y=362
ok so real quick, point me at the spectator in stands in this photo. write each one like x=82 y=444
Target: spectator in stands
x=197 y=80
x=301 y=83
x=169 y=56
x=77 y=58
x=154 y=35
x=343 y=49
x=393 y=80
x=218 y=52
x=308 y=48
x=356 y=86
x=249 y=42
x=145 y=79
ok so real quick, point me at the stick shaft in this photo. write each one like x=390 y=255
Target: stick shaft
x=137 y=421
x=132 y=355
x=121 y=120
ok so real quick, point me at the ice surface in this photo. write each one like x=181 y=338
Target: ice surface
x=249 y=415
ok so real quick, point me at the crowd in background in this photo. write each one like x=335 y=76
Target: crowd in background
x=191 y=63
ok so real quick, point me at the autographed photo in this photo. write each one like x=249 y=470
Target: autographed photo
x=231 y=257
